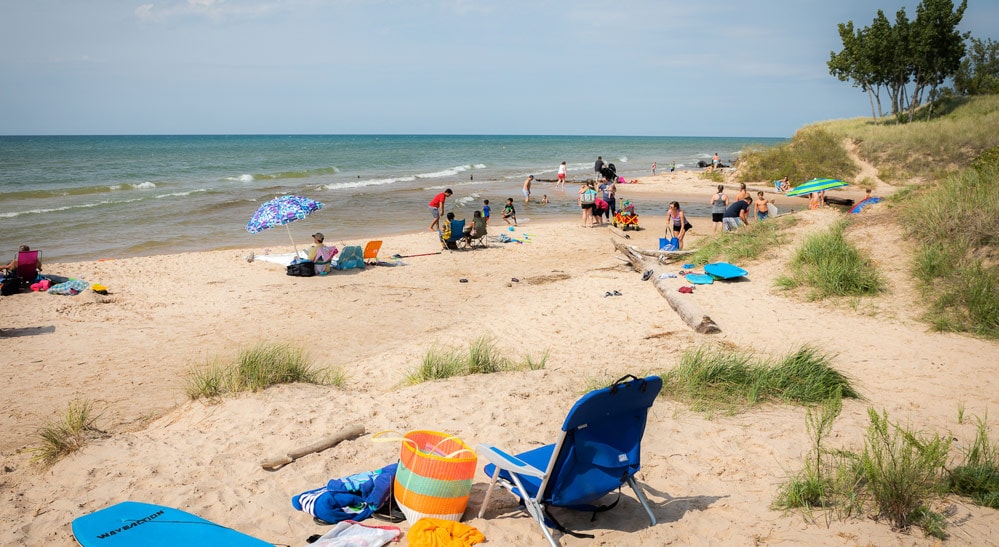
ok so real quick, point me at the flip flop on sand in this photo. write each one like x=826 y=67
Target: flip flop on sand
x=646 y=275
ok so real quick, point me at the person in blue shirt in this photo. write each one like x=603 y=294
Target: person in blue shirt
x=737 y=214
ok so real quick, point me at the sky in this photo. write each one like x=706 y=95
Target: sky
x=552 y=67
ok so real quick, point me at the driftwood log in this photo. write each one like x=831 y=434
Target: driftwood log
x=350 y=432
x=685 y=306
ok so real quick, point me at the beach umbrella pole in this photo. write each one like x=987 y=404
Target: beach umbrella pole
x=292 y=240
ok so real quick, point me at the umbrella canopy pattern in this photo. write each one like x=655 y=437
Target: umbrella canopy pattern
x=815 y=185
x=280 y=211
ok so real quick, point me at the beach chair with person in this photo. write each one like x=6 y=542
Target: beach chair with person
x=476 y=233
x=597 y=451
x=22 y=271
x=452 y=231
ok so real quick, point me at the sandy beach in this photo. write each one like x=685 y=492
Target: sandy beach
x=711 y=478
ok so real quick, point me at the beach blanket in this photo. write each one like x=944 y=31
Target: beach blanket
x=282 y=259
x=354 y=497
x=72 y=287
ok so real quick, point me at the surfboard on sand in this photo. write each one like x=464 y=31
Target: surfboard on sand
x=137 y=524
x=772 y=210
x=724 y=270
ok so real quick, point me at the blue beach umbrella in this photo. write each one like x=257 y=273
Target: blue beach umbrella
x=815 y=185
x=282 y=211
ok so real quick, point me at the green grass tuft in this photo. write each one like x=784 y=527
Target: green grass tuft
x=710 y=379
x=256 y=369
x=745 y=244
x=66 y=436
x=832 y=266
x=978 y=476
x=483 y=357
x=903 y=470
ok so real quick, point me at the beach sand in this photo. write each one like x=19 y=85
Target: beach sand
x=710 y=478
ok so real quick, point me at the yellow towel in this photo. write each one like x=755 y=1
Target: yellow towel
x=428 y=532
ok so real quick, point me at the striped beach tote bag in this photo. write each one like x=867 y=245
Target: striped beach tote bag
x=434 y=477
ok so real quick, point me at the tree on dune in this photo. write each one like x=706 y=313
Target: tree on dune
x=908 y=60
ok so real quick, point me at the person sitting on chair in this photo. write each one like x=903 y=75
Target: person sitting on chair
x=321 y=255
x=476 y=229
x=11 y=267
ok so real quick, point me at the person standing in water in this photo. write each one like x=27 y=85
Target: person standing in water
x=561 y=176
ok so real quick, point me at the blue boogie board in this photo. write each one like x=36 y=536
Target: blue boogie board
x=724 y=270
x=137 y=524
x=699 y=279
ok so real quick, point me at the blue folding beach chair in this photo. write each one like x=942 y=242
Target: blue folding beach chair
x=597 y=452
x=457 y=233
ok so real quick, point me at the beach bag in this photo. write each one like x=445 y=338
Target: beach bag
x=351 y=257
x=687 y=226
x=669 y=243
x=434 y=477
x=355 y=497
x=588 y=197
x=302 y=269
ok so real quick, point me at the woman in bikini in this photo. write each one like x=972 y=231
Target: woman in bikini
x=678 y=220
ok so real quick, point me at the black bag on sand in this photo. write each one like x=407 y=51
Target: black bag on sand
x=302 y=269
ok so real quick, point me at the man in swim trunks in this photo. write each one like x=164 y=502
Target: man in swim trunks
x=527 y=188
x=762 y=207
x=437 y=208
x=737 y=214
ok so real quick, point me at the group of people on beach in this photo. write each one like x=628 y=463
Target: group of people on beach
x=732 y=215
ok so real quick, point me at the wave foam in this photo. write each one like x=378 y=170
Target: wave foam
x=144 y=186
x=449 y=172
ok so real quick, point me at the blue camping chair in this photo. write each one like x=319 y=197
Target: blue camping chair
x=457 y=233
x=597 y=451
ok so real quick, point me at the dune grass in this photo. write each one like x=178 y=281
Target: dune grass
x=977 y=477
x=713 y=379
x=957 y=260
x=831 y=266
x=813 y=151
x=67 y=435
x=482 y=357
x=896 y=476
x=258 y=368
x=713 y=175
x=744 y=244
x=961 y=129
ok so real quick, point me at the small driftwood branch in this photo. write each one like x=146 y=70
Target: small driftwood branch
x=350 y=432
x=619 y=232
x=657 y=254
x=684 y=305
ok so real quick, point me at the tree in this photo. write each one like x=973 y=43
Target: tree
x=923 y=52
x=937 y=46
x=979 y=70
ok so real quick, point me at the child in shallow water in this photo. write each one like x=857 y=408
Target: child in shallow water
x=509 y=212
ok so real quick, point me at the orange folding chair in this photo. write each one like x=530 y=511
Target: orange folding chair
x=371 y=251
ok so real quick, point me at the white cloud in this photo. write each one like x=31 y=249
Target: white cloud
x=212 y=9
